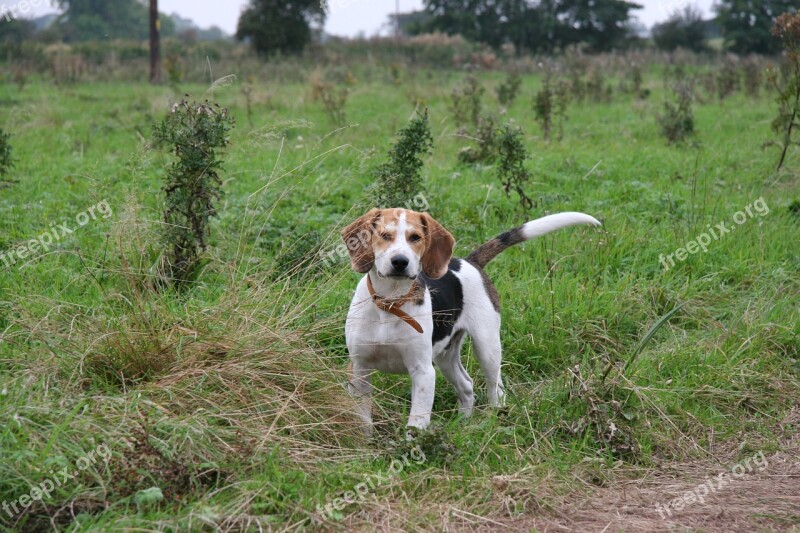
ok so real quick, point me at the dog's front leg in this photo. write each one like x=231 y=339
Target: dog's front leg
x=360 y=388
x=423 y=382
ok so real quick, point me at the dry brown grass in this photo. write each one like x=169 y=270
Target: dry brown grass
x=248 y=369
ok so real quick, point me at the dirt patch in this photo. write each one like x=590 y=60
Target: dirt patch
x=666 y=499
x=732 y=490
x=743 y=491
x=763 y=499
x=767 y=499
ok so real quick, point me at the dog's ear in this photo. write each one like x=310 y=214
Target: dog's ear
x=437 y=255
x=358 y=240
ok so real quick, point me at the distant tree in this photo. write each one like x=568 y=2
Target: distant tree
x=485 y=21
x=685 y=28
x=746 y=24
x=283 y=26
x=214 y=33
x=96 y=20
x=524 y=23
x=541 y=26
x=412 y=23
x=602 y=24
x=15 y=31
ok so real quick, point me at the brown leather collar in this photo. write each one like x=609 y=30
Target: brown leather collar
x=393 y=305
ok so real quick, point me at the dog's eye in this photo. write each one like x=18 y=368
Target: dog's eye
x=415 y=238
x=386 y=236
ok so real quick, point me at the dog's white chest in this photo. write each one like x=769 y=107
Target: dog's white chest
x=384 y=349
x=382 y=341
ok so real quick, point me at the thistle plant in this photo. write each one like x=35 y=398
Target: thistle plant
x=677 y=120
x=195 y=132
x=6 y=159
x=787 y=29
x=400 y=178
x=466 y=102
x=550 y=106
x=511 y=170
x=485 y=150
x=508 y=90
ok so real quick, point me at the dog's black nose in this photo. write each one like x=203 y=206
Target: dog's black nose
x=399 y=262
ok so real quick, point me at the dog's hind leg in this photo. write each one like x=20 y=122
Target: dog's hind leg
x=452 y=369
x=489 y=353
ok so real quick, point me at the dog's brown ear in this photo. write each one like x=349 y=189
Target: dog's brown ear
x=358 y=240
x=440 y=248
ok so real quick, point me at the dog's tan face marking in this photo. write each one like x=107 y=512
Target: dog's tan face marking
x=397 y=229
x=398 y=244
x=402 y=243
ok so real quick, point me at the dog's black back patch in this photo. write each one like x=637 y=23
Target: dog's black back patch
x=447 y=299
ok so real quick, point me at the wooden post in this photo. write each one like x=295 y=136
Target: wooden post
x=155 y=43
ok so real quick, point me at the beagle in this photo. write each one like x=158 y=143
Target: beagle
x=416 y=304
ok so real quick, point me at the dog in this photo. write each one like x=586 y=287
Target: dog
x=416 y=304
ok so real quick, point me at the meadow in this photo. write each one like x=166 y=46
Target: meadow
x=223 y=406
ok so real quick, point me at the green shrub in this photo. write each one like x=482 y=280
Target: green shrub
x=508 y=90
x=511 y=170
x=637 y=80
x=465 y=101
x=6 y=159
x=550 y=106
x=677 y=120
x=334 y=102
x=728 y=80
x=196 y=131
x=486 y=139
x=753 y=76
x=596 y=87
x=787 y=29
x=400 y=178
x=333 y=97
x=176 y=68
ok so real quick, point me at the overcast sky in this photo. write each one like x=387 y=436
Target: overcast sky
x=351 y=17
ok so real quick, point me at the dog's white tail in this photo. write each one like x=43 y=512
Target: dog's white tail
x=530 y=230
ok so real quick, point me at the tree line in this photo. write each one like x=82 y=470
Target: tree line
x=535 y=25
x=96 y=20
x=744 y=24
x=281 y=26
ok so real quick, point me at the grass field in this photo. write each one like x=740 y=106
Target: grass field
x=225 y=406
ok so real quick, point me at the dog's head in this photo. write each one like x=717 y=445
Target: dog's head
x=399 y=243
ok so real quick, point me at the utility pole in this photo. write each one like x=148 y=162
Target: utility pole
x=397 y=19
x=155 y=43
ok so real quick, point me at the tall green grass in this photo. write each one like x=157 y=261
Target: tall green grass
x=230 y=398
